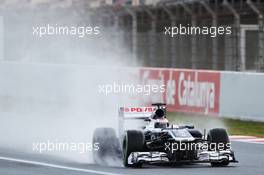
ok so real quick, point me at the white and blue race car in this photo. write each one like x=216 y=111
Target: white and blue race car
x=159 y=142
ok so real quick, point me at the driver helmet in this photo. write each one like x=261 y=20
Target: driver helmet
x=159 y=113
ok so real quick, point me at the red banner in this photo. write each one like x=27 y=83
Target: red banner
x=194 y=91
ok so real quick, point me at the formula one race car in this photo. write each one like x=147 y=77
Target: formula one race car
x=160 y=142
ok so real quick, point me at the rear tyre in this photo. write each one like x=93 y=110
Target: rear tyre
x=108 y=144
x=133 y=142
x=216 y=137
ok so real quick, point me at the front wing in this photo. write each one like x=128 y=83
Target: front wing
x=161 y=157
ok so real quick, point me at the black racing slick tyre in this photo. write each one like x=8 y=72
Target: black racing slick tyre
x=108 y=144
x=216 y=137
x=133 y=141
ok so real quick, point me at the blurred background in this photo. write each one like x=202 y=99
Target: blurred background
x=139 y=27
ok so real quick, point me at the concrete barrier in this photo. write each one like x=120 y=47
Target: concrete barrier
x=40 y=88
x=221 y=93
x=242 y=95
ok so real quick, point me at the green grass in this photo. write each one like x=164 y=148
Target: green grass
x=233 y=126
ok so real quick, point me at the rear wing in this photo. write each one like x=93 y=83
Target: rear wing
x=133 y=113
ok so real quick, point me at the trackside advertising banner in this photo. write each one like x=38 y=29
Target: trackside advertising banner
x=194 y=91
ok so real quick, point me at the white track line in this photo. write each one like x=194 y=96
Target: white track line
x=56 y=166
x=248 y=139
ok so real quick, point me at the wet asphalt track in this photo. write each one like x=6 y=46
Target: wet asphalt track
x=250 y=156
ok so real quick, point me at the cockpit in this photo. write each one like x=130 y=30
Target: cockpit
x=161 y=124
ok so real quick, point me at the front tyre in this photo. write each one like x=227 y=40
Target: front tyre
x=216 y=137
x=133 y=142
